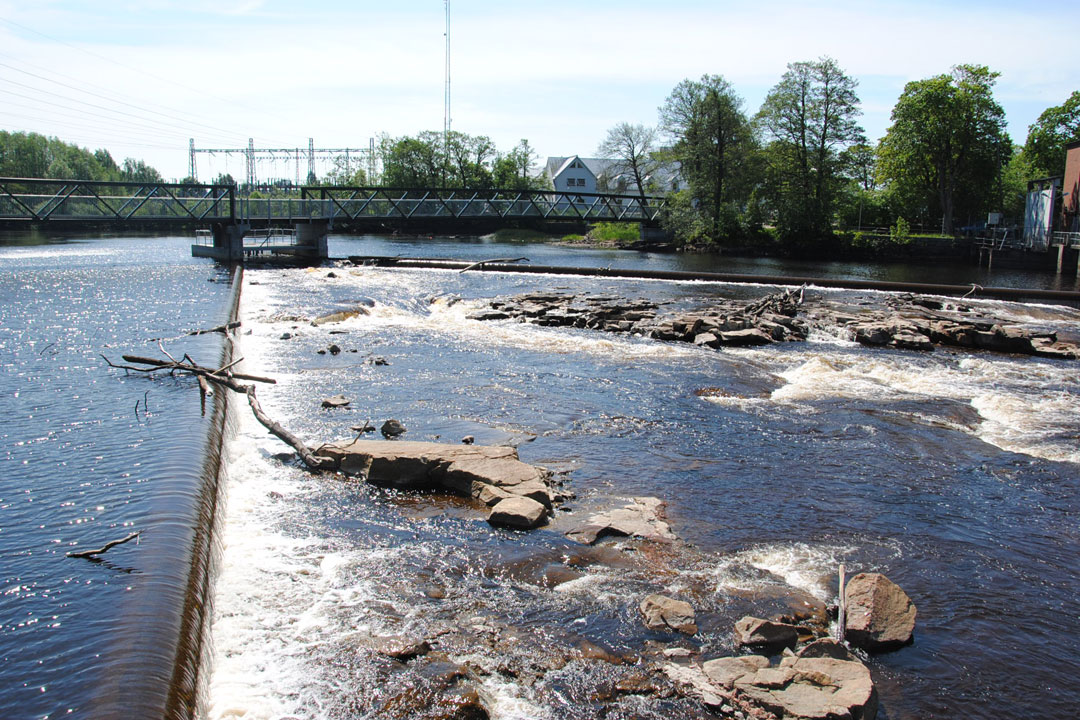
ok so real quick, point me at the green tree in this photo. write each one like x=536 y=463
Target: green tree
x=410 y=162
x=632 y=147
x=947 y=144
x=514 y=170
x=1048 y=136
x=714 y=144
x=810 y=119
x=347 y=172
x=138 y=171
x=1014 y=180
x=469 y=159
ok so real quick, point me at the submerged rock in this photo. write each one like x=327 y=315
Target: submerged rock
x=642 y=518
x=400 y=647
x=880 y=616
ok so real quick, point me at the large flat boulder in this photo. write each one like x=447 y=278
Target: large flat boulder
x=797 y=689
x=473 y=470
x=812 y=689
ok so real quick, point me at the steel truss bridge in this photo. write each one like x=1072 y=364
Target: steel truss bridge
x=174 y=204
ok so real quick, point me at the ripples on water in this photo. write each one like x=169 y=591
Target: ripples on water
x=954 y=473
x=80 y=466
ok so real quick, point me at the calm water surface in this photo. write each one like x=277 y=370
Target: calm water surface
x=81 y=465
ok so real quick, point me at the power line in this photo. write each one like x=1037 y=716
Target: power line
x=170 y=81
x=174 y=126
x=114 y=123
x=114 y=100
x=97 y=137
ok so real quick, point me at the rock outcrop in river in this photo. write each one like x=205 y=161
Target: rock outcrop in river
x=908 y=322
x=520 y=494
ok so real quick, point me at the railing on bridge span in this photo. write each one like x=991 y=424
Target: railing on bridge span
x=358 y=203
x=38 y=200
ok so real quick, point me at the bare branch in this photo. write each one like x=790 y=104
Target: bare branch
x=104 y=548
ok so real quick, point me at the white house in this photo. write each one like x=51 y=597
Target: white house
x=575 y=173
x=590 y=175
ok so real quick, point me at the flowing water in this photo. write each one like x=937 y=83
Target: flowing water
x=954 y=473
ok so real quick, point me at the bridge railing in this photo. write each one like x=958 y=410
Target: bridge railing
x=356 y=203
x=51 y=199
x=40 y=199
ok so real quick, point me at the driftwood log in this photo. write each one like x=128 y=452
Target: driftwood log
x=104 y=548
x=780 y=303
x=225 y=377
x=219 y=329
x=482 y=263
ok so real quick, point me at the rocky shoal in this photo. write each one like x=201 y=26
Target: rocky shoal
x=910 y=322
x=520 y=495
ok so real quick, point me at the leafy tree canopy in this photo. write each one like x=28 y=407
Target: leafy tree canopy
x=947 y=145
x=1047 y=137
x=714 y=144
x=31 y=155
x=811 y=118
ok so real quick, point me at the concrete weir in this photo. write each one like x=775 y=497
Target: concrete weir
x=237 y=242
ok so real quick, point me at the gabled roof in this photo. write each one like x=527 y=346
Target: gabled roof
x=557 y=165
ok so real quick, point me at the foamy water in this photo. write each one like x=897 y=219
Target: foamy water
x=313 y=569
x=1026 y=405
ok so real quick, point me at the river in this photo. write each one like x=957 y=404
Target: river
x=954 y=473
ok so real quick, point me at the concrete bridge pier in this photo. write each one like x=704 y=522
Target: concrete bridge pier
x=228 y=242
x=312 y=237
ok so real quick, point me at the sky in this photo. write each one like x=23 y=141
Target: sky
x=142 y=78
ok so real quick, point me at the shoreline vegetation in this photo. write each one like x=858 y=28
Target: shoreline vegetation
x=877 y=244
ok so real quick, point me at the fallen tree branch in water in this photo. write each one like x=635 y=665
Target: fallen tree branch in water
x=90 y=554
x=185 y=366
x=482 y=263
x=224 y=376
x=780 y=303
x=219 y=329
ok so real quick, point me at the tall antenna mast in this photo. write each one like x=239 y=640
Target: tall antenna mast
x=446 y=98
